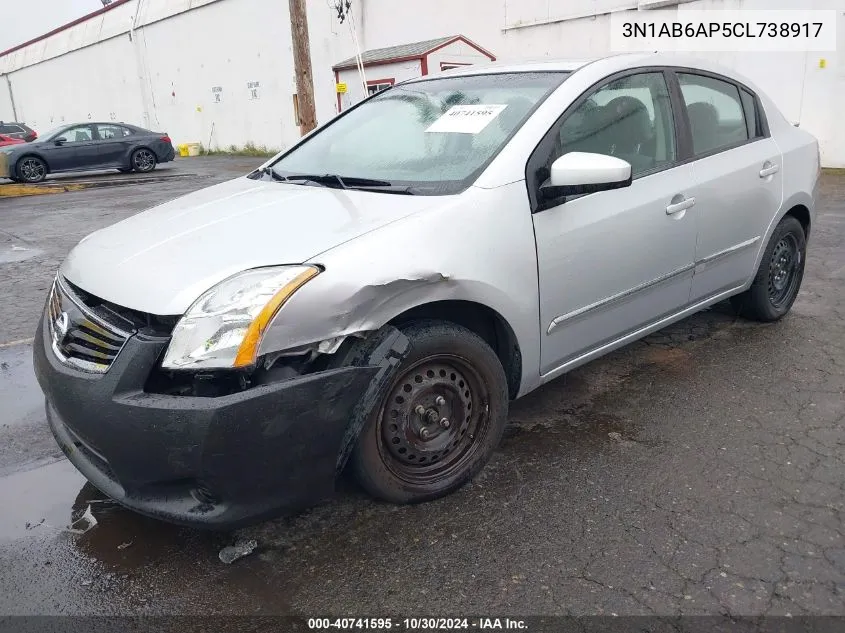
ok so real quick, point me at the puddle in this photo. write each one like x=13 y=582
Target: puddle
x=25 y=438
x=38 y=501
x=20 y=394
x=126 y=540
x=17 y=253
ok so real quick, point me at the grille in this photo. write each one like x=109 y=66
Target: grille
x=81 y=338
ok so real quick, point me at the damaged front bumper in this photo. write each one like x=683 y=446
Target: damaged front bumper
x=217 y=462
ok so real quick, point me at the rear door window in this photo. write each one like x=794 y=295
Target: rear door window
x=108 y=132
x=6 y=128
x=715 y=111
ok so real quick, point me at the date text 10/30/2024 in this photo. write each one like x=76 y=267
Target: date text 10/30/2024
x=416 y=624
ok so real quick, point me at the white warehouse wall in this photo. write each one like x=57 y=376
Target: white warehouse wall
x=166 y=74
x=91 y=83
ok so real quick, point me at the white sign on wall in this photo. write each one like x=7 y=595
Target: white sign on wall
x=252 y=89
x=217 y=93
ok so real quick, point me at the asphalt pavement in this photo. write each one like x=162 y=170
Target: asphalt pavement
x=699 y=471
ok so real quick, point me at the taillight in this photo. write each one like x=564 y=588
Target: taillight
x=166 y=139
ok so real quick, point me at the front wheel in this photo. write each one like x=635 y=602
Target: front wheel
x=143 y=160
x=439 y=420
x=779 y=277
x=31 y=169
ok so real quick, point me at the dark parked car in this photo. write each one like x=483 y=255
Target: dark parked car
x=18 y=130
x=87 y=146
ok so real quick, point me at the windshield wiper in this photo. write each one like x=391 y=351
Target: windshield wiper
x=345 y=182
x=324 y=179
x=269 y=171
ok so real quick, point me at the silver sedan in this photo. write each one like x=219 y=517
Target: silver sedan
x=374 y=296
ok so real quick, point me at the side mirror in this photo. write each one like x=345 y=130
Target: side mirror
x=60 y=141
x=578 y=173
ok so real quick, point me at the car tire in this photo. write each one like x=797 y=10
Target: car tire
x=439 y=419
x=31 y=169
x=143 y=160
x=779 y=277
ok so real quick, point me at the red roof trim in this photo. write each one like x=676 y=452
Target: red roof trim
x=64 y=27
x=461 y=38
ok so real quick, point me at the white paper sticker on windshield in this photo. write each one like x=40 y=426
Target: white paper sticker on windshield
x=466 y=119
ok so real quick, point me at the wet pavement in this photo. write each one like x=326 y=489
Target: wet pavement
x=699 y=471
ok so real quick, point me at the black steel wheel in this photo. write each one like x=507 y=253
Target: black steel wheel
x=783 y=270
x=143 y=160
x=439 y=420
x=31 y=169
x=779 y=277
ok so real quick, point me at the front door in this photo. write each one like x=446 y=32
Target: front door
x=77 y=151
x=613 y=262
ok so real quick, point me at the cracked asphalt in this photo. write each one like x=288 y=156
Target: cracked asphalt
x=700 y=471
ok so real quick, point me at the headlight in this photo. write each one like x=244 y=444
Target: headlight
x=223 y=328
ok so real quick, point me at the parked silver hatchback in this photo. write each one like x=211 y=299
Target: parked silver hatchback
x=376 y=295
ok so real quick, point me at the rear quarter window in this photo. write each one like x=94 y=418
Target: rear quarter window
x=749 y=104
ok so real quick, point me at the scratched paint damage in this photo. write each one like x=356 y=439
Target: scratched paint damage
x=352 y=311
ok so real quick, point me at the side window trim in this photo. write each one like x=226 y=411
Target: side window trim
x=546 y=143
x=762 y=121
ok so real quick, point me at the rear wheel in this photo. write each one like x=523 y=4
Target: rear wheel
x=31 y=169
x=441 y=418
x=779 y=277
x=143 y=160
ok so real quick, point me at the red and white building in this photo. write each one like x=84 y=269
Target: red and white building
x=384 y=67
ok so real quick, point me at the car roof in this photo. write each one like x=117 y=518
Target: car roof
x=120 y=123
x=601 y=65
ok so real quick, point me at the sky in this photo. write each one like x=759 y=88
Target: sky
x=20 y=23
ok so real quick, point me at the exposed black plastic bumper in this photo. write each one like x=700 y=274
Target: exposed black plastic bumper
x=209 y=462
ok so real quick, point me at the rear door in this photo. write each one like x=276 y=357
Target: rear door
x=113 y=146
x=738 y=179
x=78 y=151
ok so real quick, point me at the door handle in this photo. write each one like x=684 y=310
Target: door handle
x=769 y=170
x=683 y=205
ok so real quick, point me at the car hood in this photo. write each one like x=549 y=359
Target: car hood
x=162 y=259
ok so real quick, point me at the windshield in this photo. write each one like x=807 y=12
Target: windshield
x=48 y=135
x=430 y=137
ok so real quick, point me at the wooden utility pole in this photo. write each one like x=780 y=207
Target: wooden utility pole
x=302 y=66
